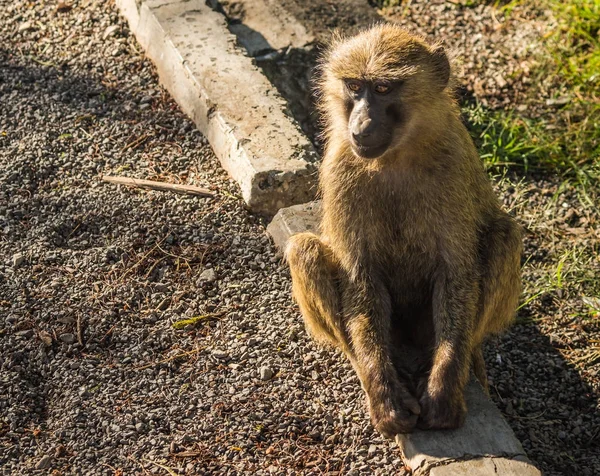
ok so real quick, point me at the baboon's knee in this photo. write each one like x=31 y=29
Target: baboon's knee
x=304 y=252
x=313 y=286
x=502 y=278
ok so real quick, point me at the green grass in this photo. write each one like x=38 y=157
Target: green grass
x=566 y=139
x=505 y=139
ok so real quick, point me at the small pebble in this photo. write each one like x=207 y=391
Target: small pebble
x=27 y=333
x=44 y=463
x=208 y=276
x=17 y=260
x=220 y=354
x=67 y=338
x=110 y=31
x=266 y=373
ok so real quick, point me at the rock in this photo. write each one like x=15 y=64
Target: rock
x=63 y=7
x=207 y=276
x=161 y=287
x=60 y=451
x=110 y=31
x=17 y=260
x=164 y=304
x=67 y=338
x=27 y=334
x=266 y=373
x=25 y=26
x=558 y=102
x=220 y=354
x=44 y=463
x=500 y=81
x=140 y=427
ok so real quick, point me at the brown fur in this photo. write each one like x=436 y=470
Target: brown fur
x=415 y=250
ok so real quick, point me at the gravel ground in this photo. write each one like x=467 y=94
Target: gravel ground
x=495 y=54
x=95 y=378
x=93 y=277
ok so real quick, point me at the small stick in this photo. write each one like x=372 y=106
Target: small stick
x=164 y=186
x=79 y=330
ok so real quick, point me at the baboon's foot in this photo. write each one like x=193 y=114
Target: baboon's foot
x=393 y=411
x=442 y=410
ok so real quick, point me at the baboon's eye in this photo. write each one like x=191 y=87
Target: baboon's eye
x=382 y=88
x=353 y=86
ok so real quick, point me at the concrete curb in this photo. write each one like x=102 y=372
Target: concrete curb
x=263 y=26
x=484 y=445
x=228 y=98
x=292 y=220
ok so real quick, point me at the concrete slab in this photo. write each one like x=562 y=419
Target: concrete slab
x=229 y=99
x=484 y=445
x=292 y=220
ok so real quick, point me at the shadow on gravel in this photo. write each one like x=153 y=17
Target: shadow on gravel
x=291 y=72
x=552 y=410
x=61 y=85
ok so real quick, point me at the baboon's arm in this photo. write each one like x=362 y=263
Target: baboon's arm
x=367 y=313
x=455 y=304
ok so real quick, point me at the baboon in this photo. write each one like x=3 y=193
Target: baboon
x=414 y=249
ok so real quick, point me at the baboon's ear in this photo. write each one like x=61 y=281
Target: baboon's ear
x=441 y=65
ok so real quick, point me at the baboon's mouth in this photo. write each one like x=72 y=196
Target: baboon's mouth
x=366 y=152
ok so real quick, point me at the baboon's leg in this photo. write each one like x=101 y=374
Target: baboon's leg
x=478 y=363
x=355 y=318
x=465 y=312
x=315 y=282
x=501 y=277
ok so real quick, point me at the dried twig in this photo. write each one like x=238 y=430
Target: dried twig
x=170 y=359
x=163 y=186
x=79 y=331
x=166 y=468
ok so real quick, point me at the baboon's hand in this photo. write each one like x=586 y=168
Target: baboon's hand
x=442 y=410
x=393 y=411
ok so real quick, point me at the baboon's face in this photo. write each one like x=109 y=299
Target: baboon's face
x=374 y=115
x=381 y=87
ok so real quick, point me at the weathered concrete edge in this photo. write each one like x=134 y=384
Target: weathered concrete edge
x=416 y=448
x=292 y=220
x=292 y=180
x=451 y=466
x=483 y=466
